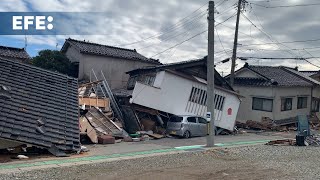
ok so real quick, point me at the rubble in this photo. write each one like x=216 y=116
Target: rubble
x=106 y=139
x=312 y=140
x=98 y=121
x=267 y=124
x=282 y=142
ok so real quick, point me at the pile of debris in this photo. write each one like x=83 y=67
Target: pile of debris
x=312 y=140
x=97 y=119
x=267 y=124
x=145 y=121
x=103 y=121
x=282 y=142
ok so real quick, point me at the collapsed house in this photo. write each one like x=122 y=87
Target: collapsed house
x=180 y=89
x=38 y=108
x=100 y=113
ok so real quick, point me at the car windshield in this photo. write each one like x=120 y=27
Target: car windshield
x=175 y=119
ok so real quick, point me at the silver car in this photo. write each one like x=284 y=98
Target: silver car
x=187 y=126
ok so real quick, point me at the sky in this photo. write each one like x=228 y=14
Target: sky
x=174 y=30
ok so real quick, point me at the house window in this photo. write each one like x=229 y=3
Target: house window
x=196 y=95
x=302 y=102
x=315 y=105
x=262 y=104
x=219 y=101
x=132 y=82
x=149 y=80
x=199 y=96
x=286 y=104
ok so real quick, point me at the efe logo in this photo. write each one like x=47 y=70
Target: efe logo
x=23 y=22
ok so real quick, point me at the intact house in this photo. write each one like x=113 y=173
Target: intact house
x=278 y=93
x=313 y=74
x=113 y=61
x=181 y=89
x=16 y=54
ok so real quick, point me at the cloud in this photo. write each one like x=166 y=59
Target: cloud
x=155 y=27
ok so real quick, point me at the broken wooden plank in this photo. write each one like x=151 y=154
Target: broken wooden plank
x=95 y=102
x=156 y=136
x=86 y=128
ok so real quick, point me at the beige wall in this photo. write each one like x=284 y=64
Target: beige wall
x=114 y=69
x=246 y=113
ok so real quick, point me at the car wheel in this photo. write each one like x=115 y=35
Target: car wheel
x=187 y=134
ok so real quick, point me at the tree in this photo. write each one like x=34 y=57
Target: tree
x=53 y=60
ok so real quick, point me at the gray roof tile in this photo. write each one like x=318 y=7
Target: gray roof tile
x=13 y=52
x=39 y=94
x=279 y=75
x=104 y=50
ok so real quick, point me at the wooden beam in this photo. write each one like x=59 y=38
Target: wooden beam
x=95 y=102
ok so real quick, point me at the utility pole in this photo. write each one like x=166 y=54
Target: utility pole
x=210 y=75
x=235 y=43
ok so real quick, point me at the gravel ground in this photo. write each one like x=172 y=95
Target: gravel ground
x=252 y=162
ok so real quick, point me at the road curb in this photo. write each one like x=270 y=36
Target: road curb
x=20 y=167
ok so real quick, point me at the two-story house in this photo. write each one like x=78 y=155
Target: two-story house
x=113 y=61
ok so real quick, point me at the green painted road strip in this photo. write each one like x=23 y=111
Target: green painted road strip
x=241 y=143
x=101 y=157
x=224 y=144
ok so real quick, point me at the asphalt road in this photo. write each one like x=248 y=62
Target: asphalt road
x=252 y=162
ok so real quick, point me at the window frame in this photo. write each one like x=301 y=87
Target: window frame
x=285 y=108
x=132 y=82
x=315 y=105
x=263 y=99
x=306 y=104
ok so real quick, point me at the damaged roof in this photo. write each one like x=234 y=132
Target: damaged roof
x=104 y=50
x=195 y=67
x=38 y=107
x=273 y=75
x=12 y=52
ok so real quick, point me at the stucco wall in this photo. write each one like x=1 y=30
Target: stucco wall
x=276 y=93
x=114 y=69
x=75 y=56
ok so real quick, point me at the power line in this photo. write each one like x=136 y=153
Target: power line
x=284 y=42
x=289 y=50
x=173 y=27
x=221 y=2
x=191 y=37
x=179 y=43
x=220 y=41
x=282 y=58
x=295 y=49
x=170 y=37
x=286 y=6
x=270 y=37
